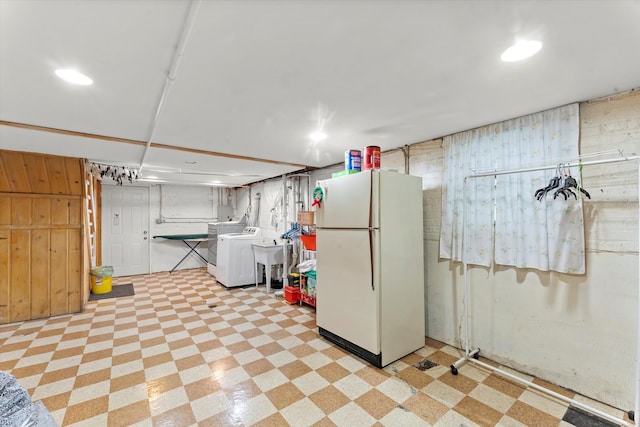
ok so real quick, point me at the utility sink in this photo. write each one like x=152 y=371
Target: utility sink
x=268 y=244
x=268 y=253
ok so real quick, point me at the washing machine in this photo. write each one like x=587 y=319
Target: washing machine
x=216 y=229
x=236 y=263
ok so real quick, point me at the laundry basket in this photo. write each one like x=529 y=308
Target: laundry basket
x=101 y=279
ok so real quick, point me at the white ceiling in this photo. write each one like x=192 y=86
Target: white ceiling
x=237 y=86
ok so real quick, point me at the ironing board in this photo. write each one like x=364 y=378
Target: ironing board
x=186 y=238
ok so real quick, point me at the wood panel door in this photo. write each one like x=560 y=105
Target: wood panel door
x=125 y=229
x=40 y=256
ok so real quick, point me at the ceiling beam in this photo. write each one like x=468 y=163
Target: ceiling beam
x=144 y=144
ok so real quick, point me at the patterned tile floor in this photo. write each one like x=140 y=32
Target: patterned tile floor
x=186 y=351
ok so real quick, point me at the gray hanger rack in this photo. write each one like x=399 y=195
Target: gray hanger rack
x=473 y=355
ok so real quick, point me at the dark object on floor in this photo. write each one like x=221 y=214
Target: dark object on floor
x=581 y=418
x=425 y=364
x=116 y=291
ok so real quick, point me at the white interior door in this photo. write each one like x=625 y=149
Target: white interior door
x=125 y=229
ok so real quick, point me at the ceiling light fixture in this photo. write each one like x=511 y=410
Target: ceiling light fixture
x=318 y=136
x=523 y=49
x=73 y=76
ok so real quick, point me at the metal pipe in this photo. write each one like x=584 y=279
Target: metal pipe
x=163 y=219
x=554 y=394
x=541 y=168
x=285 y=247
x=407 y=158
x=636 y=409
x=194 y=7
x=465 y=268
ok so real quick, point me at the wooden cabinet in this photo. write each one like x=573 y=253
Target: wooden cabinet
x=40 y=256
x=42 y=266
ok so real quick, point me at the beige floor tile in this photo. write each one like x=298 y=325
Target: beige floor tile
x=329 y=399
x=493 y=398
x=478 y=412
x=530 y=416
x=372 y=376
x=415 y=378
x=178 y=416
x=302 y=413
x=376 y=403
x=332 y=372
x=395 y=389
x=425 y=407
x=445 y=394
x=453 y=418
x=127 y=396
x=506 y=386
x=310 y=382
x=543 y=402
x=86 y=410
x=402 y=417
x=352 y=415
x=284 y=395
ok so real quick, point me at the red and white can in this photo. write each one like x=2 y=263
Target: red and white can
x=371 y=157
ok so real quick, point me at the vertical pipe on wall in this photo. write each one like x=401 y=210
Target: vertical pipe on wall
x=636 y=409
x=465 y=268
x=406 y=151
x=285 y=258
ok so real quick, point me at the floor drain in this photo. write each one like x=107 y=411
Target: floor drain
x=425 y=364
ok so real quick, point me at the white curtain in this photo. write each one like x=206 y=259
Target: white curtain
x=546 y=234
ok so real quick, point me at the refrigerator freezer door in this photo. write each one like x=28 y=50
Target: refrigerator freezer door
x=347 y=306
x=348 y=201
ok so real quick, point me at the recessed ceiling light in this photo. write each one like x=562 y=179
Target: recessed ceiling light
x=521 y=50
x=317 y=136
x=73 y=76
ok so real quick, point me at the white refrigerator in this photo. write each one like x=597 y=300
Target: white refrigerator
x=370 y=265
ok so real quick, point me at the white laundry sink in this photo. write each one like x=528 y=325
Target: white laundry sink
x=268 y=254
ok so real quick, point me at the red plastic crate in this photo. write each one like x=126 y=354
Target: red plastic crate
x=309 y=241
x=292 y=294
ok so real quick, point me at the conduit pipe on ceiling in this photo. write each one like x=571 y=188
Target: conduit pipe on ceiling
x=194 y=8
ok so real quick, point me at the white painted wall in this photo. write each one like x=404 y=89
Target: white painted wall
x=576 y=331
x=185 y=210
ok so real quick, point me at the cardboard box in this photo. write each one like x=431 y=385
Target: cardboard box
x=305 y=217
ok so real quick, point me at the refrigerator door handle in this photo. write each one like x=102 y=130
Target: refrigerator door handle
x=371 y=201
x=371 y=256
x=371 y=228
